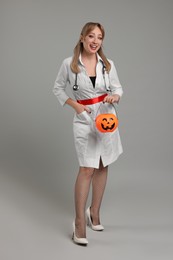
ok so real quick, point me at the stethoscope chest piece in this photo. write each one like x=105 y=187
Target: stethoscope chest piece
x=75 y=87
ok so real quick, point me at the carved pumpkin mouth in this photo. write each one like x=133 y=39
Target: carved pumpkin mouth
x=108 y=127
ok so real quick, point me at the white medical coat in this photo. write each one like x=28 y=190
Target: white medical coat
x=91 y=145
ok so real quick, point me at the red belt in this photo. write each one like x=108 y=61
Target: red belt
x=92 y=100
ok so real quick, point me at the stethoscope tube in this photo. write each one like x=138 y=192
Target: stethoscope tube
x=76 y=86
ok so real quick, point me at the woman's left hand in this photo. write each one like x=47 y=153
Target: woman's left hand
x=112 y=98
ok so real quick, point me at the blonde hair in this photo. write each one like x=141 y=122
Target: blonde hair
x=88 y=27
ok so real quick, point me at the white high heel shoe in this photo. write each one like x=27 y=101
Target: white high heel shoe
x=90 y=224
x=80 y=241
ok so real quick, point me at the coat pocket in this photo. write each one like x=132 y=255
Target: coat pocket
x=83 y=117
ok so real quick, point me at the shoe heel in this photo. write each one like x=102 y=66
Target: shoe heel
x=87 y=221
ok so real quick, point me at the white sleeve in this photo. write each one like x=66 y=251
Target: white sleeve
x=61 y=83
x=115 y=85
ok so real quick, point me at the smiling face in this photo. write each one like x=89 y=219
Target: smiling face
x=106 y=123
x=92 y=41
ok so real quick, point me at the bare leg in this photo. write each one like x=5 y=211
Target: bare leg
x=98 y=186
x=82 y=187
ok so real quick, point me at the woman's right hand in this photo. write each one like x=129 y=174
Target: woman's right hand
x=79 y=108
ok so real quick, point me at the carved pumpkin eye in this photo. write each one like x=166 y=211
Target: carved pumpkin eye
x=106 y=123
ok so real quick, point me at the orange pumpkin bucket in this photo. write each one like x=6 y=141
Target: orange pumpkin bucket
x=106 y=122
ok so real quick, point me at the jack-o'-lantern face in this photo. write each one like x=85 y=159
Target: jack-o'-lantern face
x=106 y=122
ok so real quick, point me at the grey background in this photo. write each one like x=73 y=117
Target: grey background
x=37 y=157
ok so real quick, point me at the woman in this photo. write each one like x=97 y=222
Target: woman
x=93 y=80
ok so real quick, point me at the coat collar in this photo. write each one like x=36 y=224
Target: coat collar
x=98 y=59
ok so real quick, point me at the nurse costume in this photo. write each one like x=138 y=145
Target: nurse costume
x=91 y=145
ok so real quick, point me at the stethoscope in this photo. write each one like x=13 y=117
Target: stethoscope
x=76 y=86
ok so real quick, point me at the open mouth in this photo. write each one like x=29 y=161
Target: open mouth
x=93 y=47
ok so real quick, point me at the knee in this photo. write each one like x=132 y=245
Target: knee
x=87 y=171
